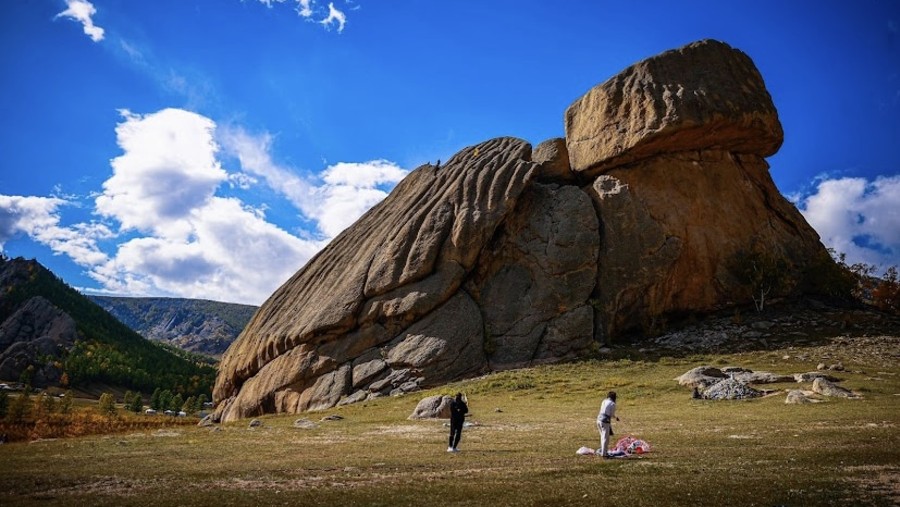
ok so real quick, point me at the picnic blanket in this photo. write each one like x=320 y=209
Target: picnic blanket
x=626 y=446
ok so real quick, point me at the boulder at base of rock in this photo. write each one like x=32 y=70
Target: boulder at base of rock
x=433 y=407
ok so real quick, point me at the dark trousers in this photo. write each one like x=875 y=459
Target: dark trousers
x=455 y=433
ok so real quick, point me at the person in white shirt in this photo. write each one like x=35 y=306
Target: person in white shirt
x=604 y=421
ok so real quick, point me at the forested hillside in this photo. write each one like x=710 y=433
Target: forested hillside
x=103 y=350
x=196 y=325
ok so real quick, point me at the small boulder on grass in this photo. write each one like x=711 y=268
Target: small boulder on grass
x=799 y=397
x=813 y=375
x=826 y=388
x=433 y=407
x=305 y=424
x=701 y=376
x=730 y=389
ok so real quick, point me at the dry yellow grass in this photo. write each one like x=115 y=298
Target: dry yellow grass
x=760 y=452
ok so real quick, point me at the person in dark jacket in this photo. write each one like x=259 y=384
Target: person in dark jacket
x=458 y=411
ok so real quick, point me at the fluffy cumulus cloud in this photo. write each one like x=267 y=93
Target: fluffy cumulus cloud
x=167 y=171
x=349 y=190
x=858 y=217
x=310 y=9
x=83 y=11
x=334 y=199
x=175 y=234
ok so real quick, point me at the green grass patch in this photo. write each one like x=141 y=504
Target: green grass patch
x=521 y=452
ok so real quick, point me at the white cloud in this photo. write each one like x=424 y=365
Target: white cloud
x=334 y=16
x=39 y=218
x=307 y=9
x=857 y=217
x=350 y=189
x=176 y=235
x=81 y=11
x=336 y=199
x=233 y=255
x=303 y=8
x=168 y=169
x=253 y=154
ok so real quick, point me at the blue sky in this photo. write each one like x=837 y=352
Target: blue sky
x=208 y=148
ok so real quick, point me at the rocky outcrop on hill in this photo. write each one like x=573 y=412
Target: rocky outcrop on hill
x=36 y=335
x=54 y=335
x=506 y=257
x=196 y=325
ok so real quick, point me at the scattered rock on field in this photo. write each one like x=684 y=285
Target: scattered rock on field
x=305 y=424
x=826 y=388
x=432 y=407
x=813 y=375
x=701 y=376
x=797 y=397
x=730 y=389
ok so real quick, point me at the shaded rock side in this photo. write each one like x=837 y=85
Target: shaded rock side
x=673 y=226
x=536 y=277
x=404 y=258
x=705 y=95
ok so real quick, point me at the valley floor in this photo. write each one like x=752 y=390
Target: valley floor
x=521 y=450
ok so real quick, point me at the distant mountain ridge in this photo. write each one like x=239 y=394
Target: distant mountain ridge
x=196 y=325
x=52 y=335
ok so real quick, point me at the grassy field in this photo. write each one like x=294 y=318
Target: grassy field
x=521 y=452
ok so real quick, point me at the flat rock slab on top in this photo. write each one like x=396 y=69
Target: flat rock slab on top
x=705 y=95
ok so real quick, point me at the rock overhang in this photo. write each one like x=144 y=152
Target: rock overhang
x=706 y=95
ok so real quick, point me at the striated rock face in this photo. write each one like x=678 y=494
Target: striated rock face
x=503 y=258
x=372 y=288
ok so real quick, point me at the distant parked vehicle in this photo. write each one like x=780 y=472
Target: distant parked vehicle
x=182 y=413
x=150 y=411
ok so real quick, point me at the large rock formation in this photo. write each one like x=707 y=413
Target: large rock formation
x=502 y=258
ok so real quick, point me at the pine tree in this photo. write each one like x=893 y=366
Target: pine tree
x=65 y=405
x=176 y=403
x=165 y=400
x=154 y=400
x=137 y=403
x=4 y=403
x=127 y=399
x=108 y=404
x=20 y=408
x=49 y=403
